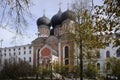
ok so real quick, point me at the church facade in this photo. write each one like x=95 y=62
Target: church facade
x=54 y=41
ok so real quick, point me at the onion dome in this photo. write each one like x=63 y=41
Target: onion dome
x=43 y=21
x=68 y=15
x=56 y=19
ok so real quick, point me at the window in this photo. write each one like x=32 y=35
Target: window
x=29 y=52
x=14 y=53
x=29 y=47
x=4 y=50
x=14 y=49
x=5 y=54
x=66 y=52
x=98 y=66
x=18 y=48
x=66 y=62
x=24 y=47
x=19 y=53
x=9 y=49
x=107 y=54
x=118 y=52
x=29 y=59
x=24 y=52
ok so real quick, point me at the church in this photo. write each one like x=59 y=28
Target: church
x=54 y=43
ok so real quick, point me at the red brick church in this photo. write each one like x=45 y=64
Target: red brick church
x=53 y=45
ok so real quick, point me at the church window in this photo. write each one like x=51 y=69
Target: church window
x=66 y=62
x=66 y=52
x=118 y=52
x=107 y=53
x=98 y=66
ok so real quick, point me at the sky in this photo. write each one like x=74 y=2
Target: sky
x=51 y=7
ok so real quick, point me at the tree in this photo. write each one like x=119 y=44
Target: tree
x=15 y=70
x=15 y=12
x=107 y=19
x=56 y=67
x=114 y=66
x=65 y=70
x=91 y=71
x=85 y=34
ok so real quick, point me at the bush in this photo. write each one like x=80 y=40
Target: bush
x=16 y=70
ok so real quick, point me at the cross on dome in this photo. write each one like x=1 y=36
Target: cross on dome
x=68 y=5
x=43 y=12
x=60 y=4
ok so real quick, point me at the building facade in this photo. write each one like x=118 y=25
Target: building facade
x=17 y=53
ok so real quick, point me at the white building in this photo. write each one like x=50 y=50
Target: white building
x=23 y=52
x=105 y=53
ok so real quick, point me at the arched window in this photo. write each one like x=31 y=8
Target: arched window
x=98 y=66
x=66 y=52
x=107 y=53
x=118 y=52
x=66 y=62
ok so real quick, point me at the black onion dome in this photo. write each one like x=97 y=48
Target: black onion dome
x=68 y=15
x=43 y=21
x=56 y=19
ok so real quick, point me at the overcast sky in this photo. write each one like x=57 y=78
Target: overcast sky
x=51 y=7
